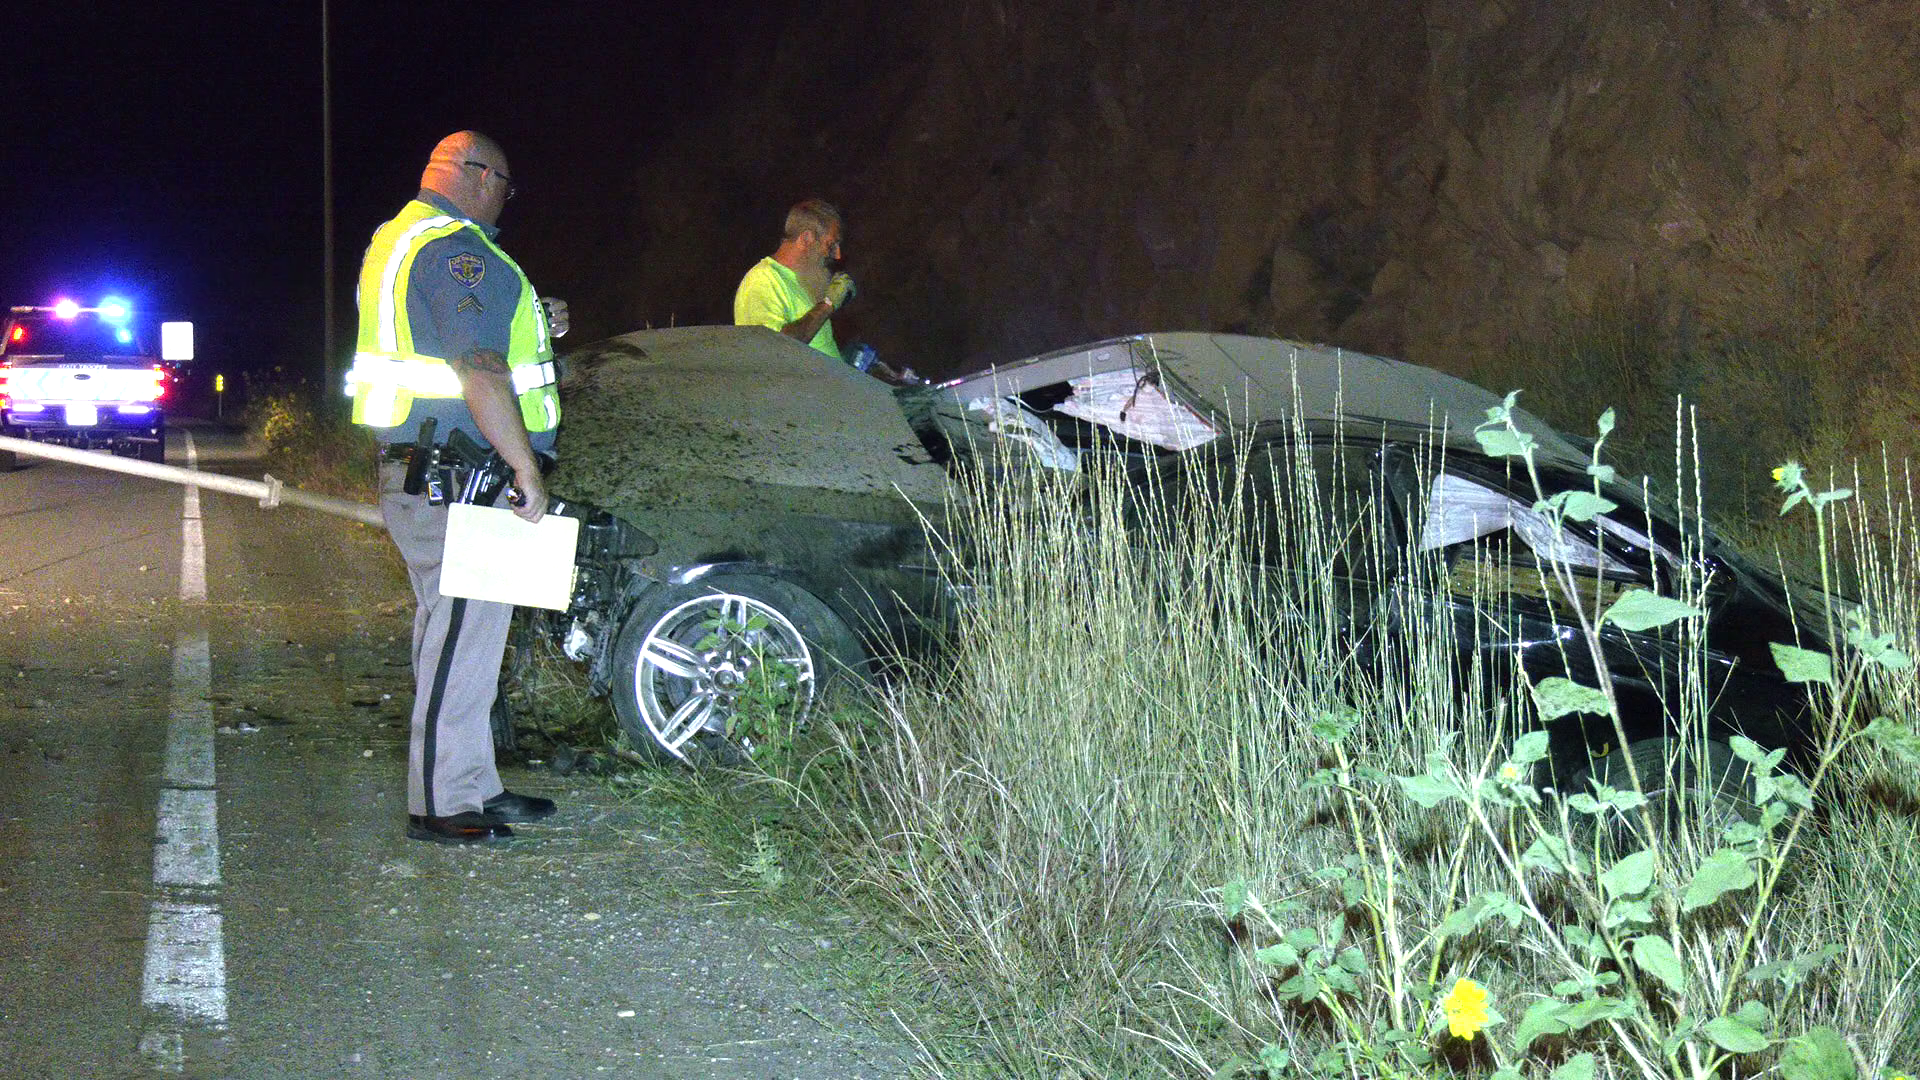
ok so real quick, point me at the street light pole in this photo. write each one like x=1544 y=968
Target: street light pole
x=329 y=366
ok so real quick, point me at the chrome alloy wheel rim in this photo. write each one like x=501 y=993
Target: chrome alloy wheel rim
x=700 y=658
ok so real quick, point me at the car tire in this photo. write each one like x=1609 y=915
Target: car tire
x=155 y=451
x=1692 y=787
x=688 y=659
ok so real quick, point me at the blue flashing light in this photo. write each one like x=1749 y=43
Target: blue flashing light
x=124 y=336
x=114 y=309
x=65 y=308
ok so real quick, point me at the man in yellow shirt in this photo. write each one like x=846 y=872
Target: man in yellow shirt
x=795 y=292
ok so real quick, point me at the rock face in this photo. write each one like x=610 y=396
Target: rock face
x=1434 y=180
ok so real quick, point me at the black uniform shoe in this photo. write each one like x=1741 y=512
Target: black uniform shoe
x=467 y=827
x=509 y=806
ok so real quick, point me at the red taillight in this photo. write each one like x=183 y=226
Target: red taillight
x=159 y=382
x=18 y=335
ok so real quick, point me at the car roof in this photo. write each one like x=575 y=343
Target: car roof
x=1252 y=380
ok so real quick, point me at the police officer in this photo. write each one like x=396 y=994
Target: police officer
x=451 y=329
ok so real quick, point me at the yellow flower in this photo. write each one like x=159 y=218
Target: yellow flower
x=1510 y=773
x=1466 y=1008
x=1780 y=471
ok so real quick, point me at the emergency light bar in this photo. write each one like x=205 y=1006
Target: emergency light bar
x=176 y=338
x=110 y=308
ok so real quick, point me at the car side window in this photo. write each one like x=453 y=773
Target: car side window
x=1499 y=547
x=1322 y=508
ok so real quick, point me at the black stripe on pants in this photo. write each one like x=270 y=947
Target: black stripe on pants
x=428 y=759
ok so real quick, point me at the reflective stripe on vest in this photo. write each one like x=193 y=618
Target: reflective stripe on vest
x=387 y=374
x=436 y=380
x=533 y=377
x=388 y=328
x=421 y=380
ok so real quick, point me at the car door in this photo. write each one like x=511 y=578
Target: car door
x=1516 y=586
x=1307 y=518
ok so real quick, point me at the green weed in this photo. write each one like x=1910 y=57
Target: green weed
x=316 y=449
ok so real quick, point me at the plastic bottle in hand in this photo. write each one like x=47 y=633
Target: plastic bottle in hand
x=840 y=289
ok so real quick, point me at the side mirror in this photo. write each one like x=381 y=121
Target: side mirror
x=176 y=341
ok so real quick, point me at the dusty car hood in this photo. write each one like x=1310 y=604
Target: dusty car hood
x=1250 y=380
x=735 y=423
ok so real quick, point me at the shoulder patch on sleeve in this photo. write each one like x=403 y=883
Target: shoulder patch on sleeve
x=467 y=268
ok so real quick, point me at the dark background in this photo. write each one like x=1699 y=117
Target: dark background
x=1604 y=203
x=174 y=154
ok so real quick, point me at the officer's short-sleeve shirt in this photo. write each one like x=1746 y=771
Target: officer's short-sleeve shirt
x=771 y=295
x=461 y=297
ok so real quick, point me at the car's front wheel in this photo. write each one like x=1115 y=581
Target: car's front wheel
x=705 y=670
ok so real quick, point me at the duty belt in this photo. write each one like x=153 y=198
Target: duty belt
x=437 y=476
x=458 y=470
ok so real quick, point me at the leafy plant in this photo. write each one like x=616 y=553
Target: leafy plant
x=770 y=703
x=1649 y=962
x=763 y=868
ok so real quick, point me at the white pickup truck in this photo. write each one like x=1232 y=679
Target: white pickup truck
x=83 y=376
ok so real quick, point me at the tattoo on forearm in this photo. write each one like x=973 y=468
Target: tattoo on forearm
x=485 y=361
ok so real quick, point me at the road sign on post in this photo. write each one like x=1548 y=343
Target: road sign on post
x=176 y=341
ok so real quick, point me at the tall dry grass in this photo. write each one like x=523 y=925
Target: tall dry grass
x=1142 y=762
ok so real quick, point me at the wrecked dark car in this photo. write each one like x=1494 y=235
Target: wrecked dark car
x=789 y=495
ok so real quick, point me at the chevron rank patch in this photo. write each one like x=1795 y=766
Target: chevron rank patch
x=468 y=302
x=467 y=268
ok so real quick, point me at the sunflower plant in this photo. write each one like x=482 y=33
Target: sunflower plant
x=1632 y=948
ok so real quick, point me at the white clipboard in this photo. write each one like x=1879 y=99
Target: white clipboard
x=493 y=555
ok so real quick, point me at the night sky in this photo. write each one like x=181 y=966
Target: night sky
x=174 y=154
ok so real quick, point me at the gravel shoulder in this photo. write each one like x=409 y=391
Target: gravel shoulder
x=601 y=942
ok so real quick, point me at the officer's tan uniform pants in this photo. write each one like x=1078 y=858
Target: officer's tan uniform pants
x=457 y=648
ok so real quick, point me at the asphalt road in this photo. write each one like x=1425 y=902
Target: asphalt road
x=202 y=863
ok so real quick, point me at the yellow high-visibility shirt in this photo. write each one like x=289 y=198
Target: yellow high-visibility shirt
x=771 y=295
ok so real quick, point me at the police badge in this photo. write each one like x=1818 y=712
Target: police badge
x=467 y=268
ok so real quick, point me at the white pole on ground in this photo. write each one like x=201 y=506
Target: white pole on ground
x=269 y=491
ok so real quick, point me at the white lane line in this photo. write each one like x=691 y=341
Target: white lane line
x=190 y=714
x=187 y=853
x=190 y=981
x=193 y=551
x=185 y=980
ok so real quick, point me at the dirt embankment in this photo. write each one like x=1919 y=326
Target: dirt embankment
x=1430 y=180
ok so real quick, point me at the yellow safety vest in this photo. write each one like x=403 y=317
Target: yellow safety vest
x=387 y=374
